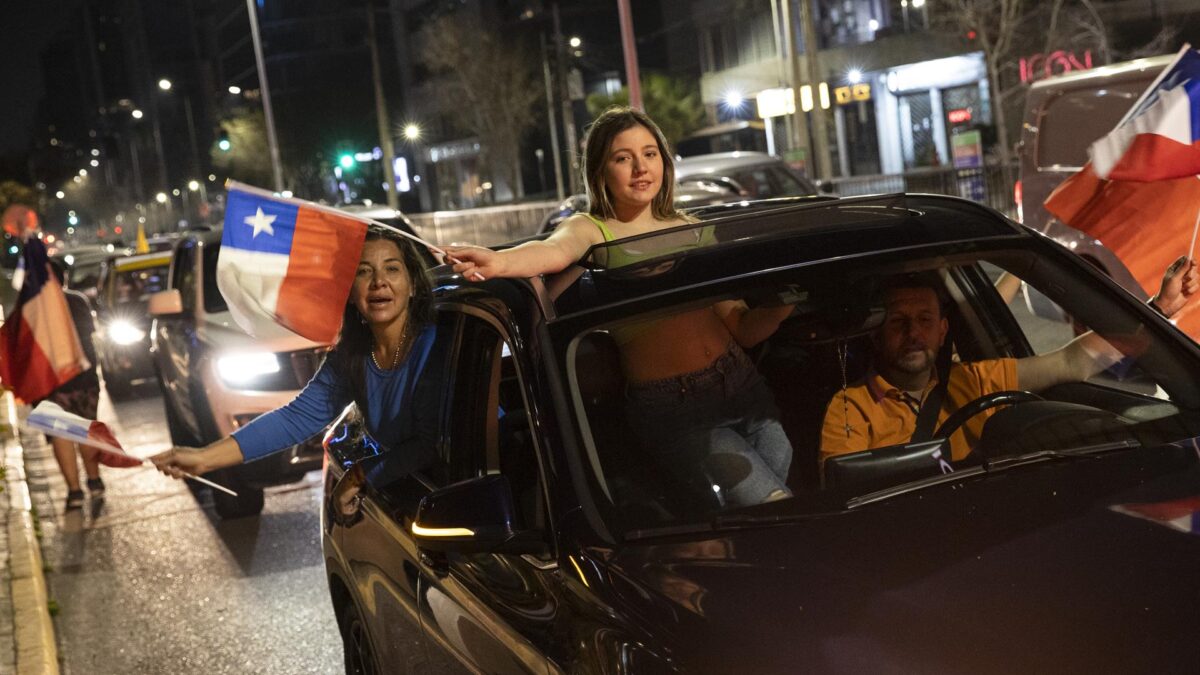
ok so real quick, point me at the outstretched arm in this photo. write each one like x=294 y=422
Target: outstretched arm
x=568 y=243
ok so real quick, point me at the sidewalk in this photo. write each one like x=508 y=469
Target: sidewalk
x=27 y=644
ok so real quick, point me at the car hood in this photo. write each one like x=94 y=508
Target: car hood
x=1087 y=566
x=218 y=329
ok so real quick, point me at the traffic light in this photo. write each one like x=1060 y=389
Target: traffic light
x=223 y=141
x=346 y=161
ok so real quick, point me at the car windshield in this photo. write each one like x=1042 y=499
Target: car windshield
x=135 y=283
x=801 y=409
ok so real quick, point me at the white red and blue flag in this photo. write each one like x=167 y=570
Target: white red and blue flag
x=1159 y=138
x=49 y=418
x=39 y=346
x=1182 y=515
x=286 y=262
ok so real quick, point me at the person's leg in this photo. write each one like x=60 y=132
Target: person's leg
x=741 y=473
x=91 y=468
x=64 y=454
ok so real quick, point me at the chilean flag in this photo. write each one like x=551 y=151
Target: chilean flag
x=39 y=346
x=49 y=418
x=287 y=262
x=1159 y=138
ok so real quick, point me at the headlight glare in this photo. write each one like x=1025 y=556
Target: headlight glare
x=123 y=332
x=242 y=368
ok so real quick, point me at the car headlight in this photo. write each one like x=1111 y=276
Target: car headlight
x=238 y=369
x=123 y=332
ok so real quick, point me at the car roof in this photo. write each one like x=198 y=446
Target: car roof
x=721 y=162
x=1104 y=73
x=759 y=237
x=142 y=261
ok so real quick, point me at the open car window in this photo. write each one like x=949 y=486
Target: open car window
x=827 y=346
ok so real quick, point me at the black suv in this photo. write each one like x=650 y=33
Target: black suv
x=525 y=529
x=215 y=378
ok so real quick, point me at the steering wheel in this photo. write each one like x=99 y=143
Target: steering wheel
x=997 y=398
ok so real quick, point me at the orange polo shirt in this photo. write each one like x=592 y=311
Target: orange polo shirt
x=880 y=415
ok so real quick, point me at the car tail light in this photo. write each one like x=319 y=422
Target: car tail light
x=1018 y=194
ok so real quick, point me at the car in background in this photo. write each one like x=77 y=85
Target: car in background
x=524 y=528
x=82 y=266
x=1064 y=115
x=122 y=323
x=215 y=378
x=719 y=178
x=384 y=214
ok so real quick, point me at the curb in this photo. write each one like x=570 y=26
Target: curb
x=33 y=629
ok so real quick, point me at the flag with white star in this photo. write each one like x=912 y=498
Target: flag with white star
x=286 y=262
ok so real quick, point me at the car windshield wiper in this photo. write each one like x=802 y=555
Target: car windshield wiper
x=993 y=466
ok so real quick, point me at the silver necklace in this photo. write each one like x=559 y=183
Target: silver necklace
x=396 y=356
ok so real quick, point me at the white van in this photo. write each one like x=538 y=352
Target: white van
x=1063 y=116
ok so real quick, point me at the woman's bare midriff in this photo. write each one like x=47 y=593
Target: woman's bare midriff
x=678 y=344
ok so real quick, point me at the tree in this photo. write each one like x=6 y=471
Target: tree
x=247 y=158
x=673 y=104
x=490 y=82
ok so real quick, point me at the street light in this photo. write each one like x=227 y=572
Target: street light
x=161 y=198
x=193 y=185
x=164 y=84
x=137 y=114
x=412 y=132
x=234 y=89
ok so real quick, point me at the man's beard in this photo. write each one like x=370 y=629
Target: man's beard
x=914 y=362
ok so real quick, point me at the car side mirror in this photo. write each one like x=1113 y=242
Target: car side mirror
x=474 y=516
x=825 y=187
x=166 y=303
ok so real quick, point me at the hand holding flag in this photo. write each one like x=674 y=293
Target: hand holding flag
x=49 y=418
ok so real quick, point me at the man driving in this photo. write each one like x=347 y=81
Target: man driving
x=883 y=409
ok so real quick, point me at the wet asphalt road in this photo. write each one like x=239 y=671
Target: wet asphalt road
x=151 y=581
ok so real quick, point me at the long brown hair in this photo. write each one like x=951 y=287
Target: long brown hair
x=356 y=341
x=600 y=136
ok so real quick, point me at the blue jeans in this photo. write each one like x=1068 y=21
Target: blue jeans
x=719 y=425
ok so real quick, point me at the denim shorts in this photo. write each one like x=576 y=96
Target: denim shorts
x=717 y=428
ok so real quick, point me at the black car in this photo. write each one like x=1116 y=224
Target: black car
x=122 y=323
x=525 y=529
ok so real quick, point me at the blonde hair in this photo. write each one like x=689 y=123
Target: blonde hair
x=600 y=136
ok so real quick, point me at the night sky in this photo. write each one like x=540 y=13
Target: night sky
x=25 y=28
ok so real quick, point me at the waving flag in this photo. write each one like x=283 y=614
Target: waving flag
x=286 y=262
x=39 y=346
x=1159 y=138
x=49 y=418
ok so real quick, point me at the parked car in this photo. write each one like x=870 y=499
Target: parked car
x=1064 y=115
x=525 y=529
x=215 y=378
x=122 y=325
x=381 y=213
x=718 y=178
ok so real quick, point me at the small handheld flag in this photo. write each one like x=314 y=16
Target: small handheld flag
x=49 y=418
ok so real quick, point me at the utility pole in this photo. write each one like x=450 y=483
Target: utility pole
x=555 y=153
x=381 y=116
x=811 y=49
x=631 y=58
x=800 y=138
x=568 y=111
x=272 y=142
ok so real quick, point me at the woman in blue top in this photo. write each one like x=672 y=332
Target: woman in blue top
x=729 y=427
x=385 y=341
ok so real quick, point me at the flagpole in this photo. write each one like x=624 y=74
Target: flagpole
x=120 y=451
x=1195 y=229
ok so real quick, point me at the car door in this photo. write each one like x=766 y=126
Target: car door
x=490 y=611
x=378 y=550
